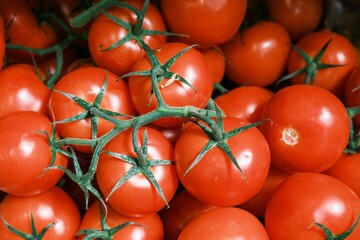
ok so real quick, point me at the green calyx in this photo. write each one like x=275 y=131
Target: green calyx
x=330 y=236
x=354 y=136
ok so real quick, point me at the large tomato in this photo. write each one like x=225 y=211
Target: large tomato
x=257 y=56
x=86 y=83
x=304 y=200
x=104 y=32
x=191 y=65
x=52 y=208
x=25 y=153
x=229 y=187
x=309 y=130
x=207 y=23
x=224 y=223
x=137 y=195
x=22 y=89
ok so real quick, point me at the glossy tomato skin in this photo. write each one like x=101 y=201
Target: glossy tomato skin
x=245 y=102
x=309 y=128
x=146 y=227
x=137 y=196
x=340 y=51
x=304 y=199
x=352 y=92
x=21 y=89
x=104 y=32
x=258 y=56
x=224 y=223
x=228 y=185
x=53 y=206
x=25 y=154
x=216 y=60
x=199 y=20
x=192 y=66
x=298 y=17
x=183 y=208
x=2 y=41
x=86 y=84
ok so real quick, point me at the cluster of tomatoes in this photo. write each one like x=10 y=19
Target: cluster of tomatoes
x=176 y=119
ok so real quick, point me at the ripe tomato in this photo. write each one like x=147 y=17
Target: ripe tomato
x=339 y=51
x=192 y=66
x=146 y=227
x=298 y=17
x=104 y=32
x=258 y=56
x=200 y=20
x=51 y=207
x=25 y=154
x=224 y=223
x=245 y=102
x=21 y=89
x=309 y=130
x=183 y=208
x=2 y=41
x=216 y=60
x=352 y=92
x=215 y=169
x=137 y=196
x=86 y=84
x=304 y=199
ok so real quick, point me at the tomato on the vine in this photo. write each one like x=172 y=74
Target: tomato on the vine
x=352 y=92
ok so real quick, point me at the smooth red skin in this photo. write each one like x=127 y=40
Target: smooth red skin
x=191 y=65
x=257 y=56
x=183 y=208
x=103 y=33
x=199 y=20
x=2 y=41
x=298 y=17
x=137 y=196
x=307 y=198
x=224 y=223
x=351 y=97
x=339 y=51
x=228 y=187
x=21 y=89
x=53 y=206
x=257 y=204
x=86 y=83
x=216 y=60
x=149 y=226
x=319 y=118
x=245 y=102
x=347 y=170
x=25 y=153
x=18 y=15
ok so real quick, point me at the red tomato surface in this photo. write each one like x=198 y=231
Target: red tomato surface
x=224 y=223
x=200 y=20
x=215 y=169
x=104 y=32
x=304 y=199
x=2 y=41
x=352 y=92
x=25 y=154
x=137 y=196
x=309 y=130
x=216 y=60
x=257 y=56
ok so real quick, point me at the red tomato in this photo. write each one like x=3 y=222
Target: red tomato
x=192 y=66
x=309 y=130
x=245 y=102
x=224 y=223
x=51 y=207
x=347 y=170
x=216 y=60
x=207 y=23
x=142 y=228
x=137 y=196
x=25 y=153
x=2 y=41
x=298 y=17
x=352 y=92
x=304 y=199
x=21 y=89
x=340 y=51
x=215 y=169
x=183 y=208
x=104 y=32
x=86 y=84
x=258 y=56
